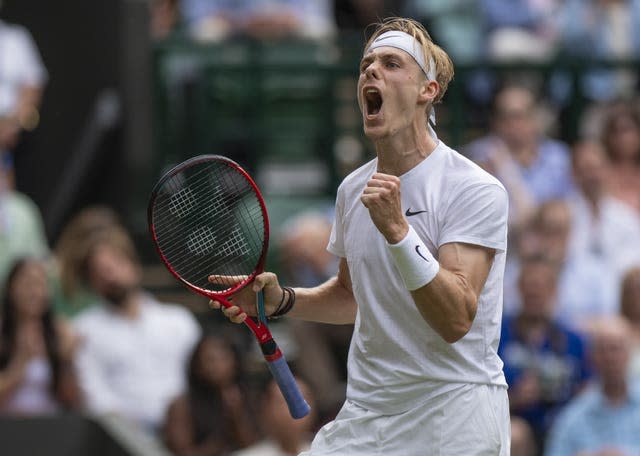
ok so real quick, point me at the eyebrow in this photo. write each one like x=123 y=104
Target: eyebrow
x=384 y=55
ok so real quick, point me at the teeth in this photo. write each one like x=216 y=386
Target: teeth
x=371 y=91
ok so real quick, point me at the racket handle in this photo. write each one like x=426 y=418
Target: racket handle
x=298 y=407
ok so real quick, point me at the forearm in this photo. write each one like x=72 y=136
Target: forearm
x=332 y=302
x=11 y=378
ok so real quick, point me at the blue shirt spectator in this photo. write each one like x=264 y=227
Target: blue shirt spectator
x=218 y=19
x=558 y=360
x=604 y=419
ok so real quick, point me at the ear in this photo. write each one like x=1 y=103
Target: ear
x=428 y=91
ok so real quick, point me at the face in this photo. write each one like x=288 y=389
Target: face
x=216 y=362
x=515 y=116
x=554 y=230
x=590 y=167
x=623 y=138
x=277 y=413
x=537 y=284
x=610 y=352
x=389 y=88
x=112 y=274
x=30 y=290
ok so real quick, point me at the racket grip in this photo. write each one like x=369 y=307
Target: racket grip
x=298 y=407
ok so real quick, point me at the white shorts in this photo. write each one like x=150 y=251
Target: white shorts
x=472 y=420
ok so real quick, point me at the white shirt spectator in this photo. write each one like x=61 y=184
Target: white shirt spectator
x=134 y=367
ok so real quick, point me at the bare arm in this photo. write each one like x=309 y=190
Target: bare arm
x=449 y=302
x=331 y=302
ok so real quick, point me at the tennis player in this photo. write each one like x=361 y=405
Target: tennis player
x=421 y=232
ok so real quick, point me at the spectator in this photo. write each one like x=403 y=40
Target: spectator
x=213 y=416
x=284 y=436
x=72 y=296
x=533 y=167
x=602 y=225
x=21 y=229
x=323 y=348
x=523 y=442
x=36 y=350
x=544 y=361
x=133 y=349
x=586 y=287
x=604 y=420
x=630 y=310
x=520 y=28
x=621 y=140
x=456 y=24
x=602 y=29
x=215 y=20
x=22 y=81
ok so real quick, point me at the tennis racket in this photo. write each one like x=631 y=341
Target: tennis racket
x=207 y=217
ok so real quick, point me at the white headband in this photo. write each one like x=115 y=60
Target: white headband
x=407 y=43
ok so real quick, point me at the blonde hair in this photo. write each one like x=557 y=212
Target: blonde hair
x=432 y=52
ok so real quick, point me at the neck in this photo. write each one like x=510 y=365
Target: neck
x=130 y=307
x=615 y=391
x=399 y=153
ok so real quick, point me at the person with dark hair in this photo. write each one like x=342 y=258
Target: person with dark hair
x=36 y=350
x=211 y=418
x=621 y=141
x=545 y=362
x=133 y=349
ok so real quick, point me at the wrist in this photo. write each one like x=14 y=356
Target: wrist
x=398 y=234
x=413 y=260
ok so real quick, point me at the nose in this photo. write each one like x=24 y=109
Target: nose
x=372 y=70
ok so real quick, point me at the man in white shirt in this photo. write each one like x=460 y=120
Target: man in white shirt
x=133 y=350
x=420 y=273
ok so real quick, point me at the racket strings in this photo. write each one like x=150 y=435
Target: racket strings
x=209 y=220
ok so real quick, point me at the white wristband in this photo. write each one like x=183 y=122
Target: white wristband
x=414 y=261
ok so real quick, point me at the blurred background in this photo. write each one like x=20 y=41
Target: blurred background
x=97 y=99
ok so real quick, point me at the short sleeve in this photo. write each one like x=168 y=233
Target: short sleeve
x=477 y=215
x=336 y=239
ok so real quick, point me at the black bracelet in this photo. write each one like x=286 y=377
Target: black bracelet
x=279 y=305
x=284 y=309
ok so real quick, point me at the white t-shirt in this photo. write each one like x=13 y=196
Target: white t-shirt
x=20 y=65
x=134 y=367
x=396 y=360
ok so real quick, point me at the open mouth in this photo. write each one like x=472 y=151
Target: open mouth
x=373 y=101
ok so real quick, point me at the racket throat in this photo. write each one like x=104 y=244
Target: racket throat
x=270 y=350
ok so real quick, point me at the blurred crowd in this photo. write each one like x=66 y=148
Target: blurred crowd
x=78 y=331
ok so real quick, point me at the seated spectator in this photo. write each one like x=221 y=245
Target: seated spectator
x=532 y=167
x=212 y=417
x=544 y=361
x=602 y=29
x=621 y=140
x=133 y=349
x=604 y=420
x=586 y=288
x=215 y=20
x=72 y=295
x=36 y=349
x=602 y=225
x=23 y=78
x=520 y=29
x=523 y=442
x=457 y=25
x=21 y=229
x=322 y=349
x=630 y=310
x=284 y=436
